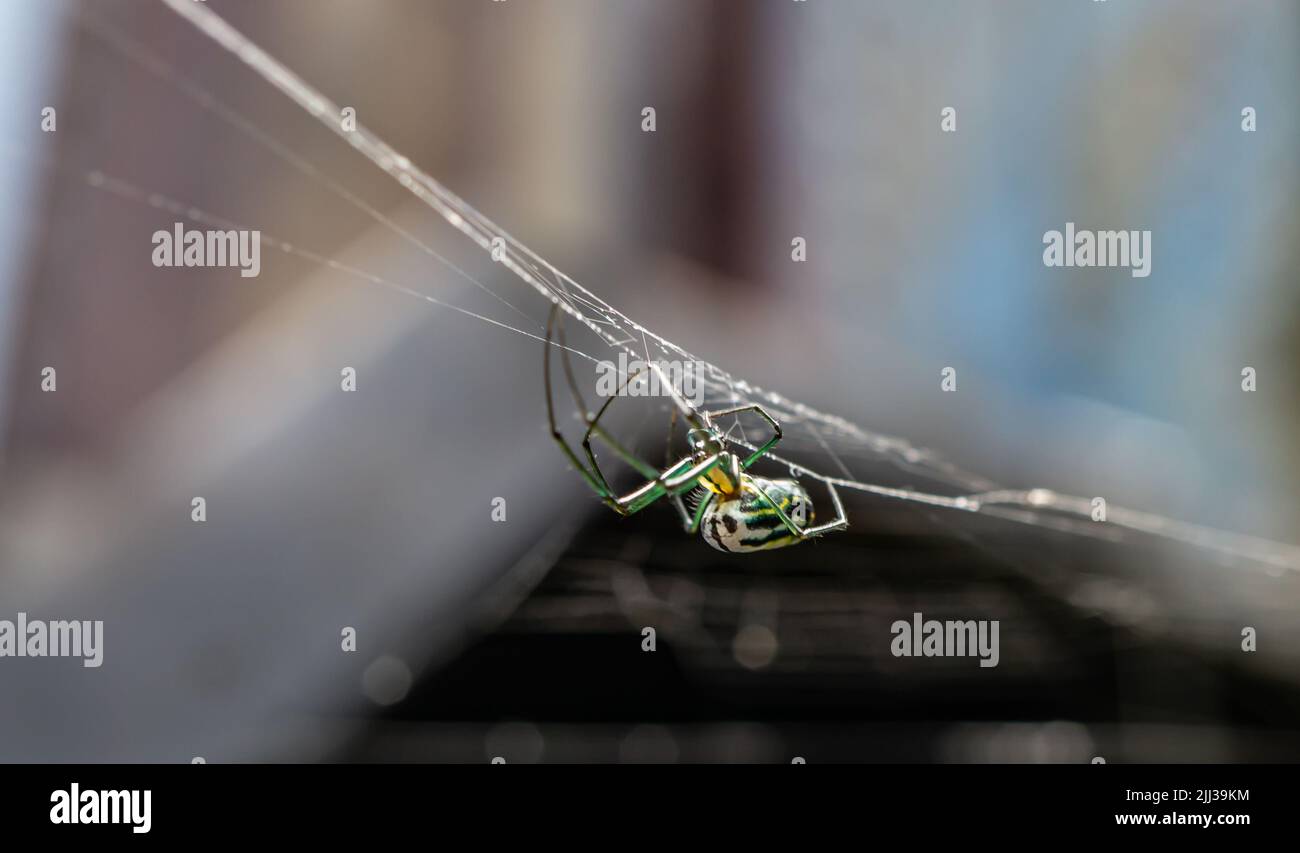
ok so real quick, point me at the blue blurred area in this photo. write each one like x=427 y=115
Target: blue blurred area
x=1108 y=115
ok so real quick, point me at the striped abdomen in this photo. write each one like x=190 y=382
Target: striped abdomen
x=747 y=522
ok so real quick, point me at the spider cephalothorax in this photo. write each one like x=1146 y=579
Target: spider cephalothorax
x=739 y=512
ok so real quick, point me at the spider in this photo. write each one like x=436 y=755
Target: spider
x=738 y=513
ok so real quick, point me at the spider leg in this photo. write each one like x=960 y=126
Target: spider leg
x=594 y=428
x=681 y=477
x=694 y=525
x=646 y=469
x=839 y=523
x=689 y=524
x=666 y=482
x=593 y=423
x=762 y=413
x=596 y=480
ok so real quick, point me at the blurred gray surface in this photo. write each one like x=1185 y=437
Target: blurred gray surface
x=372 y=509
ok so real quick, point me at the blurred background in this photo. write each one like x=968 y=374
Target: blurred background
x=774 y=120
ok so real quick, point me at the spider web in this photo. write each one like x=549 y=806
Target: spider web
x=837 y=439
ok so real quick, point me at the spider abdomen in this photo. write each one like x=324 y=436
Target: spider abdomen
x=747 y=522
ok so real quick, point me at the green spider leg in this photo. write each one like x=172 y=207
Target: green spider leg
x=840 y=521
x=674 y=480
x=646 y=469
x=698 y=518
x=762 y=413
x=745 y=464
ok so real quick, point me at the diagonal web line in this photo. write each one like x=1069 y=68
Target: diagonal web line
x=1034 y=506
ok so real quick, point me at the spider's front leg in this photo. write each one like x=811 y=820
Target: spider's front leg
x=762 y=413
x=668 y=480
x=594 y=479
x=681 y=477
x=673 y=480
